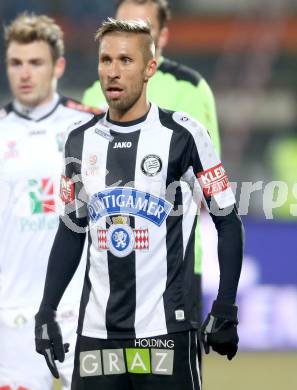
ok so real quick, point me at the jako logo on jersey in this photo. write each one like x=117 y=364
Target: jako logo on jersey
x=41 y=194
x=37 y=132
x=213 y=180
x=122 y=145
x=128 y=201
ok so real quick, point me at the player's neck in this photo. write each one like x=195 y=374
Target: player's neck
x=39 y=110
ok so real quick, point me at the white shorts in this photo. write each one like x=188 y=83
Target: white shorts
x=21 y=367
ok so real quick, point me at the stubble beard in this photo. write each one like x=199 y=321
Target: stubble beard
x=125 y=103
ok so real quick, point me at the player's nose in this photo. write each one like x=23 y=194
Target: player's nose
x=25 y=72
x=114 y=70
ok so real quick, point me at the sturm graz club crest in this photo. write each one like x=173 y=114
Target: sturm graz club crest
x=151 y=165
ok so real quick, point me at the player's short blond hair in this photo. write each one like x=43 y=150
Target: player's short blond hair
x=27 y=28
x=140 y=27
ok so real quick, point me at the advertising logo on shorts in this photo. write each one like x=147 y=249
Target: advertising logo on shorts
x=151 y=165
x=213 y=180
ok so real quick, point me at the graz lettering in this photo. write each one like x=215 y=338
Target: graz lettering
x=137 y=361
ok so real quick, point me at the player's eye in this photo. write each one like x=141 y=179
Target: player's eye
x=126 y=60
x=14 y=63
x=36 y=62
x=106 y=61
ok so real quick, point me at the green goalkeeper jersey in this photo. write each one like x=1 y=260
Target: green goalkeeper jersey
x=178 y=88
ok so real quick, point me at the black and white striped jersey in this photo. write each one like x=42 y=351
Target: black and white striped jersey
x=131 y=184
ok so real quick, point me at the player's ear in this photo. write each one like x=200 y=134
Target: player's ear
x=60 y=67
x=150 y=69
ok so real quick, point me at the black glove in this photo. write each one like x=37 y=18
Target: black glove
x=219 y=330
x=48 y=339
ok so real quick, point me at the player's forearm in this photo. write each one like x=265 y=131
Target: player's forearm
x=230 y=253
x=63 y=261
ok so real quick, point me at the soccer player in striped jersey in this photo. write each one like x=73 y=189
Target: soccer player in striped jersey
x=32 y=132
x=126 y=183
x=174 y=86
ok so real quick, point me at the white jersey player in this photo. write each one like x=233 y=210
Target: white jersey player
x=32 y=132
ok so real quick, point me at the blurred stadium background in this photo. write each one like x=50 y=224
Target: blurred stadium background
x=247 y=50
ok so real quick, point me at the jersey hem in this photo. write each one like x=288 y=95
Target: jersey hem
x=136 y=335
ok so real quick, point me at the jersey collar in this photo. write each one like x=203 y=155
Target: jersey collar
x=137 y=124
x=36 y=113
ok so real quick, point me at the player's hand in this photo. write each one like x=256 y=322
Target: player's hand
x=219 y=330
x=48 y=339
